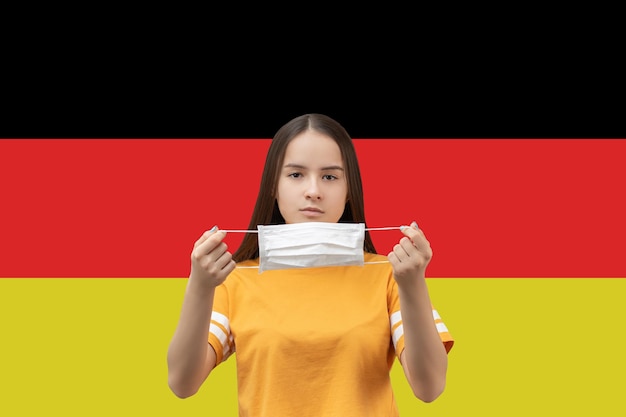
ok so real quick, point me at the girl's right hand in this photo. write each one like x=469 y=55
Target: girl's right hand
x=211 y=262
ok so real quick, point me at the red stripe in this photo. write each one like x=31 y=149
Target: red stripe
x=491 y=208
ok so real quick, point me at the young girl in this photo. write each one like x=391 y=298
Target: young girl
x=311 y=340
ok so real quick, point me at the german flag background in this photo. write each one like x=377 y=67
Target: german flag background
x=115 y=156
x=528 y=269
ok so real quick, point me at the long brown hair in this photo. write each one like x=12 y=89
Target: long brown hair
x=266 y=208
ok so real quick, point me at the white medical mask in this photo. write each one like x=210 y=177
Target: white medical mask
x=311 y=244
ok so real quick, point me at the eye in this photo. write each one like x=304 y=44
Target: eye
x=330 y=177
x=295 y=175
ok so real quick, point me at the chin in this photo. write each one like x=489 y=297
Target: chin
x=304 y=219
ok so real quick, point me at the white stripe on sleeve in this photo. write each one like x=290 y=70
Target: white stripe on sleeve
x=395 y=318
x=221 y=319
x=219 y=333
x=441 y=328
x=397 y=334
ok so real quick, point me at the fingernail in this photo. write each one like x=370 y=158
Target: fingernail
x=414 y=224
x=403 y=227
x=213 y=229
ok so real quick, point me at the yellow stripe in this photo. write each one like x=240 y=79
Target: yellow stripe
x=78 y=347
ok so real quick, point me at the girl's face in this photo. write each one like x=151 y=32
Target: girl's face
x=312 y=183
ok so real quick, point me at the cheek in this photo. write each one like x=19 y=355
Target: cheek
x=280 y=190
x=283 y=194
x=340 y=198
x=346 y=195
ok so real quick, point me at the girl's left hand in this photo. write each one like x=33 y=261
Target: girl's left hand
x=410 y=255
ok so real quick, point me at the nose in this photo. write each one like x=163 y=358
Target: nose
x=313 y=191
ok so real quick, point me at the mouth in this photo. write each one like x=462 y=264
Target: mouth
x=311 y=210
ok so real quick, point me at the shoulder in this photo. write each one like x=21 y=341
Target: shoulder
x=378 y=265
x=243 y=271
x=374 y=257
x=248 y=264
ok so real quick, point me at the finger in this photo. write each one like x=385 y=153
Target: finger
x=223 y=260
x=410 y=248
x=205 y=236
x=213 y=244
x=414 y=233
x=411 y=230
x=212 y=252
x=393 y=259
x=400 y=252
x=214 y=260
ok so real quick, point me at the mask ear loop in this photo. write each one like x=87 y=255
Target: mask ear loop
x=364 y=263
x=367 y=229
x=241 y=231
x=376 y=229
x=384 y=228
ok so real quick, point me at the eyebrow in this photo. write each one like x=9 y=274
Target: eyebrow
x=328 y=168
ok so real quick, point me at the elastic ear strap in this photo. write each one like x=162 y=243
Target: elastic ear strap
x=256 y=231
x=257 y=267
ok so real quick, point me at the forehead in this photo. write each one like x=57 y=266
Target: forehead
x=313 y=148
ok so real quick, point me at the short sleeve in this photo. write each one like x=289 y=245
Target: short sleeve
x=220 y=337
x=395 y=322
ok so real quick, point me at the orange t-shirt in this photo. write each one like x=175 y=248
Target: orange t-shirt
x=312 y=341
